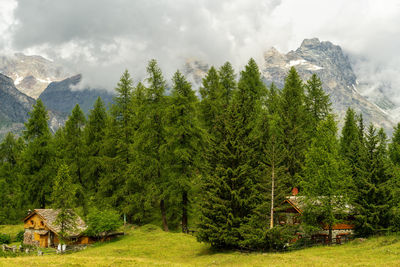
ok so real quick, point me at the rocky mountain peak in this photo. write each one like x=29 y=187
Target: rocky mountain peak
x=31 y=74
x=333 y=67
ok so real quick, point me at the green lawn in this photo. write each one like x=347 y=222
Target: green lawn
x=149 y=246
x=11 y=230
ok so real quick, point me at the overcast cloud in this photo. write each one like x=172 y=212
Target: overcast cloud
x=100 y=38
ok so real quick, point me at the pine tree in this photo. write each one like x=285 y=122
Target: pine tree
x=326 y=179
x=63 y=200
x=183 y=142
x=38 y=166
x=294 y=117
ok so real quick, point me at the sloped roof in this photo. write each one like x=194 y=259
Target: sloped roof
x=299 y=203
x=49 y=217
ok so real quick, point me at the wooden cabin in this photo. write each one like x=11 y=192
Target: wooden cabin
x=41 y=229
x=291 y=211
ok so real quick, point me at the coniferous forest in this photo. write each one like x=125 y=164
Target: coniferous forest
x=219 y=163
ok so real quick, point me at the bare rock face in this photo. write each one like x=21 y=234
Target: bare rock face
x=334 y=69
x=31 y=74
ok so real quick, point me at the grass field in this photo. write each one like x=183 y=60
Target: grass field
x=149 y=246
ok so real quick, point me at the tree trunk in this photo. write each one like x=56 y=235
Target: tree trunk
x=272 y=195
x=330 y=234
x=164 y=215
x=184 y=212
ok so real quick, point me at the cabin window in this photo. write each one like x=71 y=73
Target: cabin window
x=41 y=223
x=32 y=222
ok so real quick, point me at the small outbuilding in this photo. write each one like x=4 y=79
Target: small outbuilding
x=41 y=229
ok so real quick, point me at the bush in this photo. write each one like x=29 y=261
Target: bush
x=5 y=239
x=279 y=237
x=100 y=223
x=20 y=236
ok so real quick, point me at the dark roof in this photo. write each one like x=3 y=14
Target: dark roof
x=49 y=217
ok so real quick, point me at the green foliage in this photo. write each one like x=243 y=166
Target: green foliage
x=231 y=211
x=326 y=180
x=20 y=236
x=102 y=222
x=38 y=157
x=64 y=201
x=294 y=117
x=5 y=239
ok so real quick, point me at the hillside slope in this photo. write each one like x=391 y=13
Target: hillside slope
x=149 y=246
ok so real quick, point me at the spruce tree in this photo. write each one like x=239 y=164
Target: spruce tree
x=233 y=204
x=294 y=117
x=64 y=202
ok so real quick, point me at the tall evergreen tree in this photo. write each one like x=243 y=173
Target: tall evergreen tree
x=318 y=105
x=271 y=144
x=38 y=167
x=294 y=116
x=95 y=134
x=117 y=154
x=326 y=179
x=150 y=138
x=63 y=200
x=234 y=201
x=13 y=197
x=394 y=146
x=183 y=142
x=374 y=194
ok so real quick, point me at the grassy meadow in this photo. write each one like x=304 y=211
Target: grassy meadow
x=150 y=246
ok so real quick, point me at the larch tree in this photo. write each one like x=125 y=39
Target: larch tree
x=326 y=179
x=184 y=139
x=38 y=167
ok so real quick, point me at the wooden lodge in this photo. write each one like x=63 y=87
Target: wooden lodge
x=41 y=229
x=292 y=210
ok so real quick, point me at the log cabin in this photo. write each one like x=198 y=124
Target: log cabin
x=41 y=229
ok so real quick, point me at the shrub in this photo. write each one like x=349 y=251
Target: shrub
x=5 y=239
x=20 y=236
x=100 y=223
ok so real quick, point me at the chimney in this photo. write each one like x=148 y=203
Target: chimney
x=295 y=191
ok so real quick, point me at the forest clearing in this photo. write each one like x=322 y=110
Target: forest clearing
x=150 y=246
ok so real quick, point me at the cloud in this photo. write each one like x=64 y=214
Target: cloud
x=100 y=38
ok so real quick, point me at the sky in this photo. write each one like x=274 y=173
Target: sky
x=102 y=38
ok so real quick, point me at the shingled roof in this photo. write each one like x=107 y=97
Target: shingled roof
x=49 y=217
